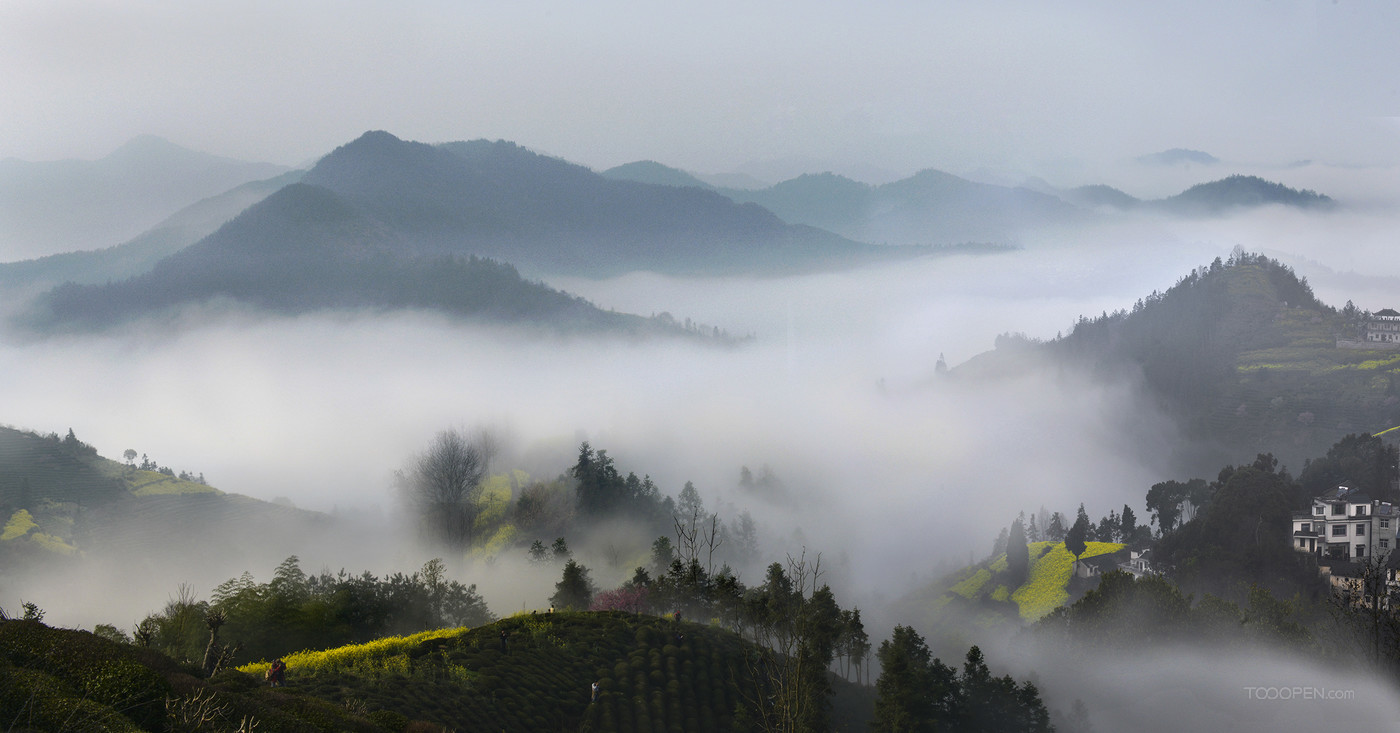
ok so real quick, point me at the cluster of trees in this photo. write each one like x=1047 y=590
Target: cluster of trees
x=444 y=487
x=802 y=633
x=1123 y=611
x=918 y=693
x=147 y=464
x=602 y=490
x=298 y=611
x=1114 y=527
x=1222 y=535
x=1362 y=460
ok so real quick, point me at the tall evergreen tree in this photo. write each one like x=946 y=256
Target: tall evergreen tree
x=1077 y=536
x=1018 y=555
x=999 y=545
x=1128 y=523
x=905 y=692
x=574 y=590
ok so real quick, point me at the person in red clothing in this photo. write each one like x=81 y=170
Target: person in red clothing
x=277 y=673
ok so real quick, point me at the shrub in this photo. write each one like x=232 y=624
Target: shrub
x=96 y=669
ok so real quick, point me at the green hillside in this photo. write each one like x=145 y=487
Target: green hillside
x=67 y=680
x=1242 y=354
x=59 y=498
x=654 y=674
x=983 y=594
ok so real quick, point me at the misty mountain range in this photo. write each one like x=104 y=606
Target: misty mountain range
x=303 y=249
x=138 y=255
x=386 y=223
x=933 y=207
x=68 y=205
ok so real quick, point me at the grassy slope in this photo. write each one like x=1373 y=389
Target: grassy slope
x=78 y=501
x=66 y=680
x=981 y=592
x=653 y=673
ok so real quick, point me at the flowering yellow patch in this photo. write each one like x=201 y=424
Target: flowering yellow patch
x=1045 y=589
x=53 y=544
x=374 y=659
x=969 y=587
x=19 y=525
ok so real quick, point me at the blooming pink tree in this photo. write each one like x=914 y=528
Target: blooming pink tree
x=632 y=599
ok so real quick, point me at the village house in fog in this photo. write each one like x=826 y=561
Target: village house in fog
x=1384 y=327
x=1345 y=524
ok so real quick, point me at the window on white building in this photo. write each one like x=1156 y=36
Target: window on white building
x=1360 y=551
x=1385 y=544
x=1360 y=530
x=1339 y=530
x=1339 y=509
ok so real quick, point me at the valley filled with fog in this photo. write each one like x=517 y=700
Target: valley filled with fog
x=836 y=391
x=874 y=280
x=892 y=472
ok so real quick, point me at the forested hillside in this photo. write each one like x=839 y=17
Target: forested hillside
x=61 y=502
x=1241 y=353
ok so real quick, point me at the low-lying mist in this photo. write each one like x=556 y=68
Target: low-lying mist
x=1190 y=686
x=890 y=469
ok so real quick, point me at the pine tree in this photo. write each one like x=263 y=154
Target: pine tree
x=1075 y=538
x=574 y=590
x=1018 y=555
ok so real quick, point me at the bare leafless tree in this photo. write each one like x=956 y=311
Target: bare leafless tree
x=443 y=484
x=786 y=687
x=696 y=533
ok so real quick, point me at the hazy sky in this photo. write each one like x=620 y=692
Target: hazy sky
x=1052 y=88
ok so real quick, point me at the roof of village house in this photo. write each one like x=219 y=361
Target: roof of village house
x=1386 y=313
x=1345 y=493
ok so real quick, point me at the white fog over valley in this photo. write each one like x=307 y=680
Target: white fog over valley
x=896 y=472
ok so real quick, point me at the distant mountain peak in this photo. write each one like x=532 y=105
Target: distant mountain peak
x=1240 y=190
x=1179 y=156
x=650 y=171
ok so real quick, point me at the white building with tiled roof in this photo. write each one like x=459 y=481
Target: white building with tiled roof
x=1346 y=524
x=1384 y=327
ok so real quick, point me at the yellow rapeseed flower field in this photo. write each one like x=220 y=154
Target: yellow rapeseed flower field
x=377 y=658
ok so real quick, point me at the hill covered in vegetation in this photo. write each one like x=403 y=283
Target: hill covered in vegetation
x=531 y=672
x=60 y=500
x=1240 y=192
x=986 y=594
x=1240 y=353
